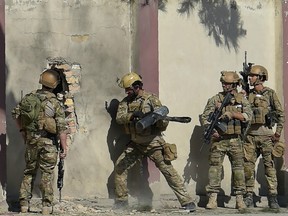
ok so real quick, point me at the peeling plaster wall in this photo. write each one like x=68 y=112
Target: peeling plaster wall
x=94 y=33
x=194 y=46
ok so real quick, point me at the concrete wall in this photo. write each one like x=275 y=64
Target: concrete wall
x=93 y=33
x=195 y=44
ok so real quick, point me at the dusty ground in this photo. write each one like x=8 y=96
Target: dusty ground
x=165 y=206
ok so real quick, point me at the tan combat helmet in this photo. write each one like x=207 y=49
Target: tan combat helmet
x=128 y=79
x=49 y=78
x=260 y=71
x=229 y=77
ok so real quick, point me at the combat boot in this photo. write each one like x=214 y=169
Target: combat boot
x=249 y=200
x=46 y=210
x=212 y=203
x=24 y=206
x=240 y=202
x=24 y=209
x=273 y=202
x=191 y=207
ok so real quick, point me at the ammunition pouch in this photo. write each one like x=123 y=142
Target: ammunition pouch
x=49 y=125
x=278 y=149
x=170 y=152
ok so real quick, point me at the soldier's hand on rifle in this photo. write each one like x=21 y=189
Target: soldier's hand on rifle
x=63 y=154
x=215 y=134
x=137 y=115
x=227 y=116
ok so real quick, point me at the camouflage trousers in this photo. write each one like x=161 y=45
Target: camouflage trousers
x=234 y=150
x=253 y=147
x=129 y=158
x=43 y=155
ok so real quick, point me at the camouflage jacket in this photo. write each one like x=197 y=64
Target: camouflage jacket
x=58 y=111
x=237 y=104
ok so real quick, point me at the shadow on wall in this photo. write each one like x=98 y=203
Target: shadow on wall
x=3 y=147
x=15 y=152
x=221 y=19
x=117 y=140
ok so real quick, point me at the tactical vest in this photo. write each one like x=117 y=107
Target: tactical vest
x=236 y=105
x=260 y=104
x=138 y=105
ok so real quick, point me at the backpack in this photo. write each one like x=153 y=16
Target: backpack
x=32 y=108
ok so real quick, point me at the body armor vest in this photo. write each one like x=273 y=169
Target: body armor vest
x=235 y=105
x=260 y=104
x=138 y=105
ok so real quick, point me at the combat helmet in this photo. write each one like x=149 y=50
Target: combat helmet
x=49 y=78
x=259 y=71
x=128 y=79
x=229 y=77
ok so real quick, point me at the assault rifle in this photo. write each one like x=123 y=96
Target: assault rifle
x=271 y=118
x=214 y=119
x=159 y=114
x=60 y=176
x=245 y=73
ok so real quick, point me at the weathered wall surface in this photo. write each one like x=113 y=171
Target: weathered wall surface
x=99 y=35
x=93 y=33
x=195 y=44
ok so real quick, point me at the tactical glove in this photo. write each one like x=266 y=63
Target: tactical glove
x=227 y=116
x=137 y=115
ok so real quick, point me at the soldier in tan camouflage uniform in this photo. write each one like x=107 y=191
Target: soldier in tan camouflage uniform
x=267 y=111
x=148 y=143
x=235 y=116
x=41 y=151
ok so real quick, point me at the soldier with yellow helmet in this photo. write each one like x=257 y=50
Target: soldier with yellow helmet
x=268 y=112
x=235 y=116
x=148 y=142
x=41 y=151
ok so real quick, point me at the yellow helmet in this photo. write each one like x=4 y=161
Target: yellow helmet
x=49 y=78
x=259 y=70
x=229 y=77
x=128 y=79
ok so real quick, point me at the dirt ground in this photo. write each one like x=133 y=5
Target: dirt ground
x=165 y=206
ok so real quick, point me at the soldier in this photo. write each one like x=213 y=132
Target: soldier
x=148 y=142
x=236 y=114
x=40 y=139
x=267 y=111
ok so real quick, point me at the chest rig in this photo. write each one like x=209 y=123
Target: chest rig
x=261 y=106
x=138 y=104
x=236 y=105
